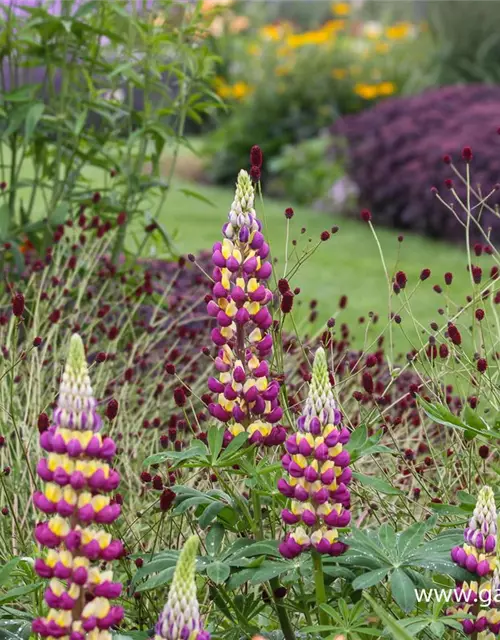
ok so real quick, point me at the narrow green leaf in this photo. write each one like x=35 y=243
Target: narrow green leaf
x=215 y=439
x=210 y=513
x=196 y=450
x=32 y=118
x=4 y=221
x=397 y=631
x=7 y=569
x=214 y=539
x=370 y=579
x=403 y=590
x=270 y=570
x=14 y=594
x=377 y=483
x=158 y=580
x=59 y=215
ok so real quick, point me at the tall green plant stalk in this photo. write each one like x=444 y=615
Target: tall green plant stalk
x=319 y=583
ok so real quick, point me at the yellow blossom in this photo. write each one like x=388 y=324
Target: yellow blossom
x=339 y=74
x=240 y=90
x=334 y=25
x=270 y=32
x=365 y=91
x=341 y=8
x=399 y=31
x=386 y=88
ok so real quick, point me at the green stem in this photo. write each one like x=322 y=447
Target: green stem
x=319 y=581
x=284 y=620
x=285 y=624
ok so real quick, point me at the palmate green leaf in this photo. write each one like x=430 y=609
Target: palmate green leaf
x=415 y=625
x=239 y=578
x=210 y=513
x=215 y=439
x=269 y=547
x=197 y=450
x=443 y=416
x=441 y=564
x=397 y=631
x=187 y=503
x=362 y=560
x=412 y=538
x=218 y=572
x=388 y=540
x=270 y=569
x=15 y=629
x=213 y=541
x=367 y=542
x=403 y=590
x=377 y=483
x=370 y=579
x=158 y=580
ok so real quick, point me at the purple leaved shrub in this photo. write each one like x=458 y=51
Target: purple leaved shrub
x=397 y=151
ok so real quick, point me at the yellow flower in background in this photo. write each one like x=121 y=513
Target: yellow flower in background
x=382 y=47
x=365 y=91
x=341 y=8
x=270 y=32
x=240 y=90
x=386 y=88
x=334 y=25
x=319 y=36
x=339 y=74
x=399 y=31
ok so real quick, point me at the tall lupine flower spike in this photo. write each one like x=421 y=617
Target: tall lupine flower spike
x=318 y=472
x=180 y=619
x=78 y=477
x=247 y=399
x=477 y=555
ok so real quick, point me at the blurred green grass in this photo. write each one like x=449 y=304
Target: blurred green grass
x=347 y=264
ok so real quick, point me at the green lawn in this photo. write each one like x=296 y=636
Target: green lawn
x=348 y=263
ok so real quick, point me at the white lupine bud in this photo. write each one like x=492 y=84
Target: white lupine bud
x=180 y=618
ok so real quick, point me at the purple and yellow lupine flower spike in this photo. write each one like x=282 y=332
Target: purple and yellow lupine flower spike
x=318 y=472
x=478 y=556
x=247 y=399
x=180 y=619
x=78 y=476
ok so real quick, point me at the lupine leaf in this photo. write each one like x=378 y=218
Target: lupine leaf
x=403 y=590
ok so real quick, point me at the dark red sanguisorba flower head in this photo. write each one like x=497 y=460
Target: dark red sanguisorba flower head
x=18 y=304
x=256 y=156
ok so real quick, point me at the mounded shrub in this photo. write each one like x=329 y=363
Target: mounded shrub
x=394 y=153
